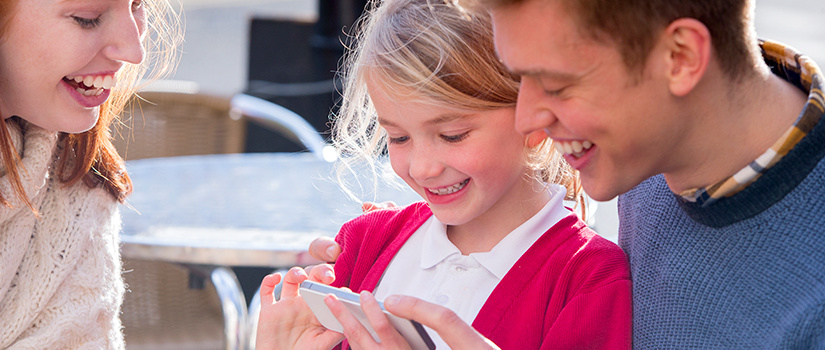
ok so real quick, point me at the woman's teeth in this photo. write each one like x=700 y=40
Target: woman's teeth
x=574 y=148
x=449 y=189
x=92 y=85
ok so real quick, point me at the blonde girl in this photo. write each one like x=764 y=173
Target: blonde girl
x=492 y=241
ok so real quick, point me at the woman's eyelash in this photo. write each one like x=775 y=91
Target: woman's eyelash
x=87 y=23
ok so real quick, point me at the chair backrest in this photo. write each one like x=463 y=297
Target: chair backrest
x=167 y=124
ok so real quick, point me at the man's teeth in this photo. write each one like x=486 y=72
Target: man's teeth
x=575 y=148
x=449 y=189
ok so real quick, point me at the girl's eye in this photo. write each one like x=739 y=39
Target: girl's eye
x=398 y=140
x=87 y=23
x=455 y=138
x=137 y=5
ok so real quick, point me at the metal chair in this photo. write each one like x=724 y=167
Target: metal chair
x=172 y=306
x=168 y=124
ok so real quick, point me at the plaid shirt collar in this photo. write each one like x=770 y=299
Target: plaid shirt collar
x=805 y=74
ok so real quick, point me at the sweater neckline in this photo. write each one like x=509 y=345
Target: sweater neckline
x=784 y=176
x=35 y=147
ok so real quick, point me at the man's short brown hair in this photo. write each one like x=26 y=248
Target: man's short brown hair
x=634 y=24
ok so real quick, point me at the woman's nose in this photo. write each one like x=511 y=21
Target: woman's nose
x=125 y=39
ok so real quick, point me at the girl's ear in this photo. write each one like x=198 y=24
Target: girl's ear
x=688 y=52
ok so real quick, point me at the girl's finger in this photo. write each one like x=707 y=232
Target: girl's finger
x=452 y=329
x=292 y=281
x=390 y=338
x=324 y=249
x=323 y=273
x=268 y=288
x=354 y=331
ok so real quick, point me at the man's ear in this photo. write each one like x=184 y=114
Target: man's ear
x=688 y=43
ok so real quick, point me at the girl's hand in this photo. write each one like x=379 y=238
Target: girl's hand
x=289 y=323
x=451 y=328
x=455 y=332
x=358 y=336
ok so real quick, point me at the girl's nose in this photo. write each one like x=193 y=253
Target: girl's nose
x=425 y=163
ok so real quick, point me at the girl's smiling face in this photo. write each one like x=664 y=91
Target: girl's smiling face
x=468 y=165
x=58 y=59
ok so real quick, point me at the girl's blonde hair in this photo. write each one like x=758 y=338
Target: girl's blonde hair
x=90 y=156
x=433 y=50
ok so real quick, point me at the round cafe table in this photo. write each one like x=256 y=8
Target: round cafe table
x=253 y=209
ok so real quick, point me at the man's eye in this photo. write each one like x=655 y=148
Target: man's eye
x=555 y=92
x=87 y=23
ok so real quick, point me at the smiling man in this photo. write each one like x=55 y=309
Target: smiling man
x=714 y=141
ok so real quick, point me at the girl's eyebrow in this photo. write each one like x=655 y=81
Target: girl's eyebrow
x=446 y=118
x=442 y=119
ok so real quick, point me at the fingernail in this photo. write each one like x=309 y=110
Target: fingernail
x=330 y=251
x=392 y=300
x=328 y=273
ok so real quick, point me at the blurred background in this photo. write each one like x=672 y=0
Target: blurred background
x=286 y=51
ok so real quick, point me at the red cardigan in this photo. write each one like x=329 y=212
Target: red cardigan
x=570 y=289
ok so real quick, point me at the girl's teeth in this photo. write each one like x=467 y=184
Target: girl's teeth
x=449 y=189
x=89 y=80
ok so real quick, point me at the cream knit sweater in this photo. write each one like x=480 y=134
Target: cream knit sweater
x=60 y=281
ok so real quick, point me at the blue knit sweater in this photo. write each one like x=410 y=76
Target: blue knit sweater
x=747 y=272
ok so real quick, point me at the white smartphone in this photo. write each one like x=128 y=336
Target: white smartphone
x=314 y=293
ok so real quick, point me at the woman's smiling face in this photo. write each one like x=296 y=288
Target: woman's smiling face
x=58 y=59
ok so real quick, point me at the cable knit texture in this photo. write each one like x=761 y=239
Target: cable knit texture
x=60 y=282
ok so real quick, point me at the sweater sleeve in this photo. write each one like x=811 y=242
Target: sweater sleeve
x=599 y=319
